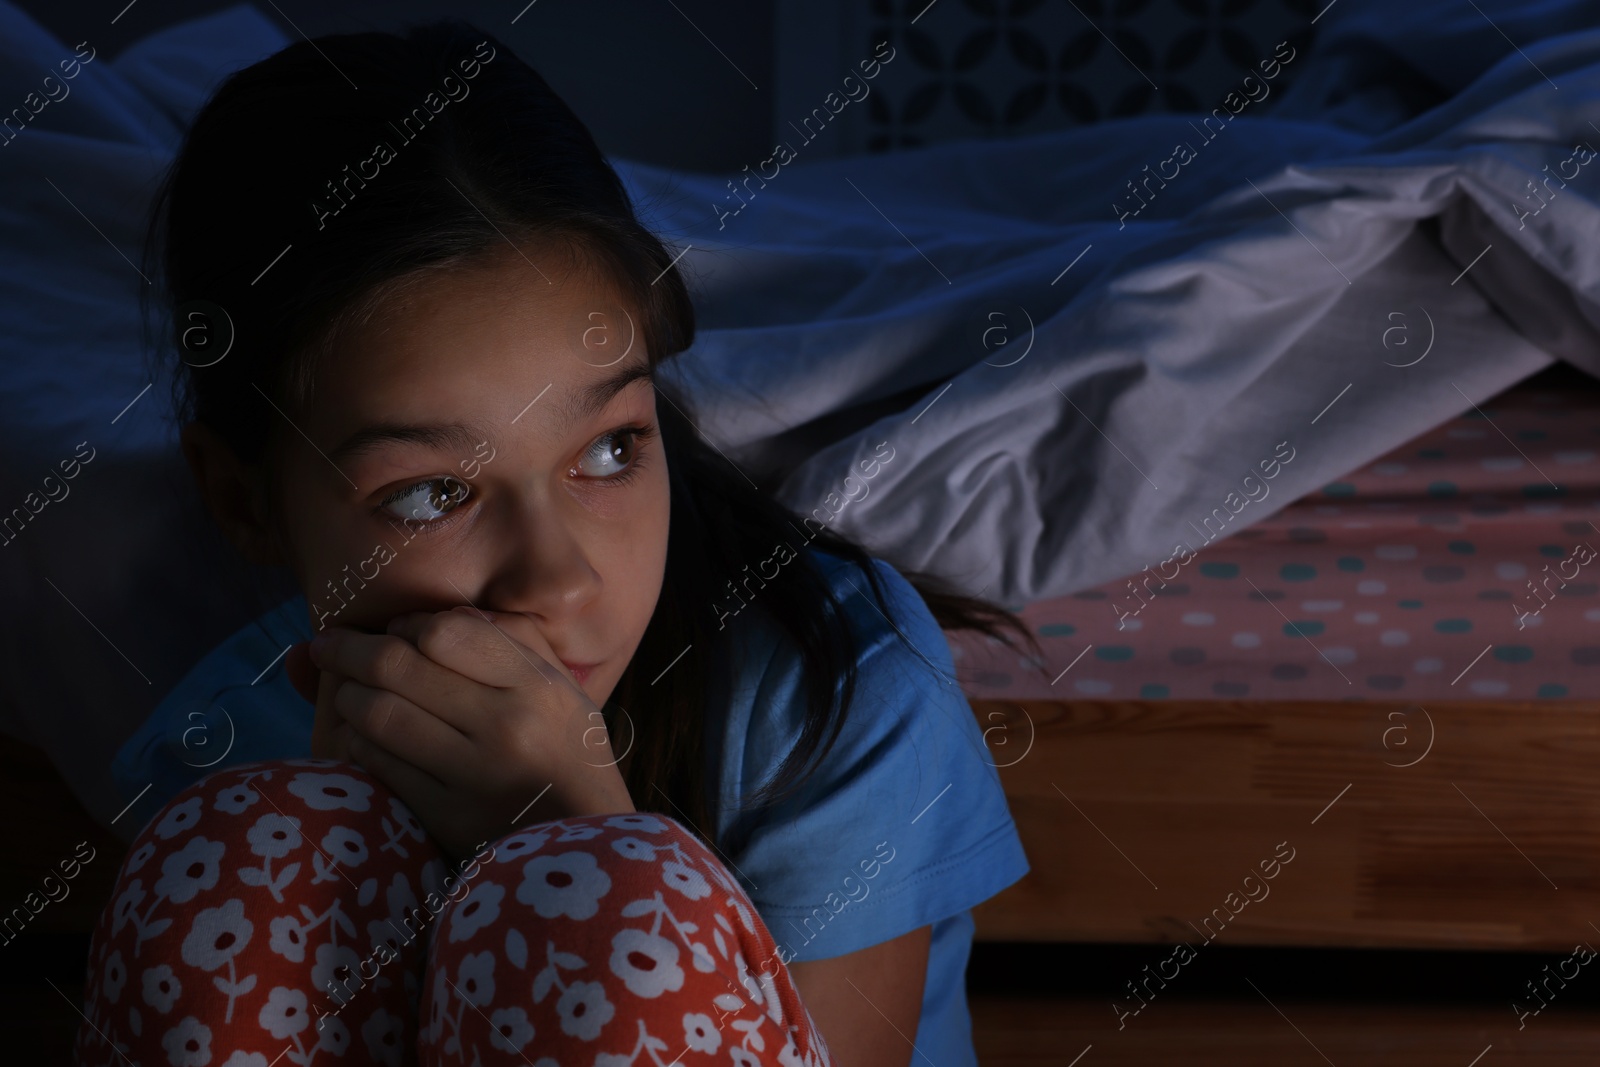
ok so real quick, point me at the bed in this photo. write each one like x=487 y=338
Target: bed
x=1428 y=815
x=1383 y=661
x=1366 y=681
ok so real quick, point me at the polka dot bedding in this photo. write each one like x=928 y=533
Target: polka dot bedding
x=1462 y=565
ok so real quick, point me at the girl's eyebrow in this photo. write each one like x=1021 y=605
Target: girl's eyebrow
x=582 y=403
x=465 y=437
x=456 y=437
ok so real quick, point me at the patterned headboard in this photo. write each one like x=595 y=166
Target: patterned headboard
x=1008 y=68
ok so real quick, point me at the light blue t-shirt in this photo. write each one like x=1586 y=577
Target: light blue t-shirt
x=903 y=825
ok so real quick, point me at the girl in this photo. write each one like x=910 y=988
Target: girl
x=657 y=769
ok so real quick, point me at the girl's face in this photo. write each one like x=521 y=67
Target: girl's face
x=486 y=439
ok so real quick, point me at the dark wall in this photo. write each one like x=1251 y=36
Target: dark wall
x=645 y=75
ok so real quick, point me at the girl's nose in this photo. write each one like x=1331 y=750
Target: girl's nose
x=541 y=569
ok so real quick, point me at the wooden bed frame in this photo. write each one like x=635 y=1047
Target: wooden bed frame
x=1467 y=825
x=1473 y=825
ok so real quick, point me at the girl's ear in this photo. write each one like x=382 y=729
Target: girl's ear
x=234 y=493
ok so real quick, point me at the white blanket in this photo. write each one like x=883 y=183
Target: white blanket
x=1050 y=378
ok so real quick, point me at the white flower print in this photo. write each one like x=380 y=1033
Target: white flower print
x=288 y=938
x=135 y=1021
x=383 y=1034
x=161 y=987
x=187 y=871
x=284 y=1014
x=789 y=1055
x=402 y=901
x=634 y=821
x=346 y=846
x=700 y=1033
x=584 y=1010
x=516 y=949
x=188 y=1044
x=632 y=848
x=127 y=905
x=330 y=792
x=274 y=836
x=579 y=833
x=770 y=989
x=246 y=1059
x=385 y=932
x=338 y=964
x=512 y=1028
x=218 y=935
x=116 y=977
x=685 y=879
x=647 y=963
x=436 y=1009
x=333 y=1036
x=519 y=845
x=141 y=856
x=479 y=908
x=236 y=799
x=611 y=1059
x=571 y=883
x=475 y=981
x=178 y=819
x=408 y=821
x=752 y=988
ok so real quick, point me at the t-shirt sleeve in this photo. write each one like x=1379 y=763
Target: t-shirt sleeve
x=904 y=822
x=237 y=705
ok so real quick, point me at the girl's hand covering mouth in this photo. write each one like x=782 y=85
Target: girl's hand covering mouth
x=470 y=719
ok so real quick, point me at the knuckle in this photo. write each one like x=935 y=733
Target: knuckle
x=390 y=659
x=381 y=717
x=442 y=633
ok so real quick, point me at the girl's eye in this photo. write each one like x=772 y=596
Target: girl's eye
x=427 y=501
x=612 y=453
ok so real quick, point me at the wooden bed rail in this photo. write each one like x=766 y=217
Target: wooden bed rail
x=1465 y=825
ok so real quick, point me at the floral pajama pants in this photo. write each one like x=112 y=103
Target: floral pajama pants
x=296 y=912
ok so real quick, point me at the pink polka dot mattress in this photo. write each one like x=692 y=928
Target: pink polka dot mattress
x=1460 y=566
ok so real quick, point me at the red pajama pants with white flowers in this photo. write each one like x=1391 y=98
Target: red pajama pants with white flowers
x=296 y=912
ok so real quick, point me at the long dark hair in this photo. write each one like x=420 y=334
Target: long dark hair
x=272 y=213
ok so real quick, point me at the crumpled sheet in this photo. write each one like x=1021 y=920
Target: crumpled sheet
x=1049 y=391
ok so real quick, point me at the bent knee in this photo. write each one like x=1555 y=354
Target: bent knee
x=268 y=805
x=638 y=852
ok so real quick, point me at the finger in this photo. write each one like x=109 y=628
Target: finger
x=301 y=671
x=333 y=744
x=326 y=723
x=400 y=727
x=499 y=649
x=420 y=790
x=384 y=661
